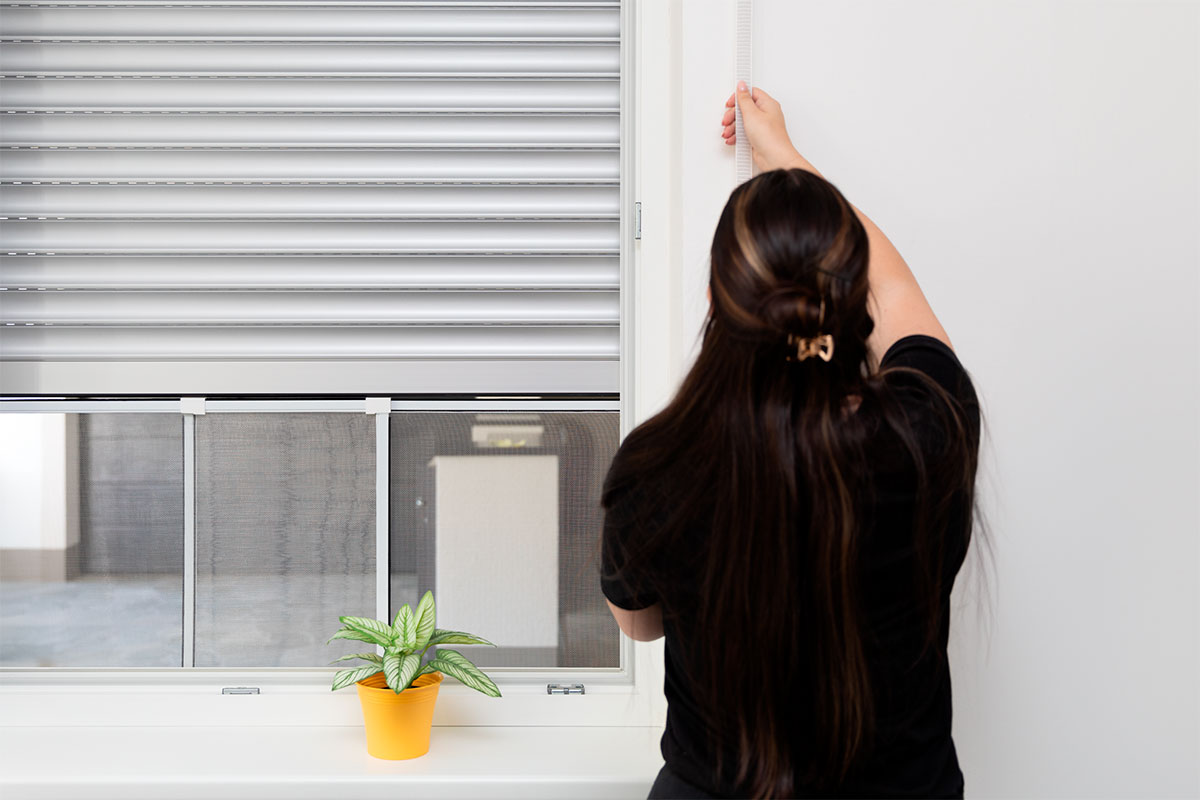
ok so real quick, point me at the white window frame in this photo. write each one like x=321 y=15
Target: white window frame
x=651 y=358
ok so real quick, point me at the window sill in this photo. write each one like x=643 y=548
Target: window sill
x=324 y=762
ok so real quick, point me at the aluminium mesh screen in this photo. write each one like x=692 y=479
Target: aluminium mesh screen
x=499 y=514
x=285 y=536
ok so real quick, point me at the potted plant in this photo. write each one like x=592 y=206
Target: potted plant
x=398 y=693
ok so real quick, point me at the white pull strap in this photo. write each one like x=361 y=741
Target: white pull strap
x=744 y=163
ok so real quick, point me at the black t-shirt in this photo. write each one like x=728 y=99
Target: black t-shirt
x=915 y=755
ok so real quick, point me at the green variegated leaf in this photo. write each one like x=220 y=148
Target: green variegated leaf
x=456 y=665
x=400 y=670
x=408 y=671
x=424 y=616
x=358 y=636
x=371 y=627
x=391 y=668
x=456 y=637
x=346 y=677
x=405 y=629
x=372 y=657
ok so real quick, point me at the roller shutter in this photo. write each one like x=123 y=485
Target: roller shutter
x=310 y=197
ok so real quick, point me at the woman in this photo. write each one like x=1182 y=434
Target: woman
x=793 y=521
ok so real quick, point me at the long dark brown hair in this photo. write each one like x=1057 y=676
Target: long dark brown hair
x=759 y=451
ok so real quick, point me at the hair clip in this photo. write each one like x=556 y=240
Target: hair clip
x=820 y=345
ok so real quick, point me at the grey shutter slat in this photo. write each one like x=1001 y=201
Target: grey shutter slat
x=389 y=128
x=353 y=94
x=216 y=200
x=350 y=59
x=264 y=341
x=206 y=186
x=123 y=20
x=75 y=237
x=314 y=164
x=300 y=307
x=313 y=272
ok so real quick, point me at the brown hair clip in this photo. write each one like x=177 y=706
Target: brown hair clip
x=820 y=345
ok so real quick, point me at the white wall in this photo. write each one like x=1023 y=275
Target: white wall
x=1037 y=165
x=21 y=459
x=35 y=505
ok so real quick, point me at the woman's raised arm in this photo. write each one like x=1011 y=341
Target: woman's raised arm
x=897 y=304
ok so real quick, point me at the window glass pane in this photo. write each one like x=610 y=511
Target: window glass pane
x=285 y=536
x=499 y=514
x=91 y=540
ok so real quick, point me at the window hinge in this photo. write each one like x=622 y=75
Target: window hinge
x=240 y=690
x=559 y=688
x=191 y=405
x=637 y=220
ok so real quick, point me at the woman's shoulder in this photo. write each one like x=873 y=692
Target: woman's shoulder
x=628 y=487
x=925 y=406
x=934 y=358
x=930 y=355
x=646 y=485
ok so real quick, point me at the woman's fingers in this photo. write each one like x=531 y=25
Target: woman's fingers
x=761 y=98
x=730 y=116
x=728 y=119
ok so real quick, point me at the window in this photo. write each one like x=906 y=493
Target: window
x=496 y=512
x=226 y=225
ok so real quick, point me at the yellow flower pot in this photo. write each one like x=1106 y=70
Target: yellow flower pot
x=398 y=725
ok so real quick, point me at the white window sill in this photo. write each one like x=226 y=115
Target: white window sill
x=302 y=763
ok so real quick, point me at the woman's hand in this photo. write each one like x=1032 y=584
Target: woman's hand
x=762 y=118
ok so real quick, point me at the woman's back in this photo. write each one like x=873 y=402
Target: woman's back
x=914 y=754
x=794 y=518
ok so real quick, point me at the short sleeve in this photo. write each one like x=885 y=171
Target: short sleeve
x=931 y=356
x=934 y=357
x=622 y=580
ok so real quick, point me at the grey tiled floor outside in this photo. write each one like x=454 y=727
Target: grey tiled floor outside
x=95 y=621
x=136 y=621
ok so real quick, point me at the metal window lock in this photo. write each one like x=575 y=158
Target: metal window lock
x=240 y=690
x=560 y=688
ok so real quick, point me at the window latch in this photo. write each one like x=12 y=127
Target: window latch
x=560 y=688
x=240 y=690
